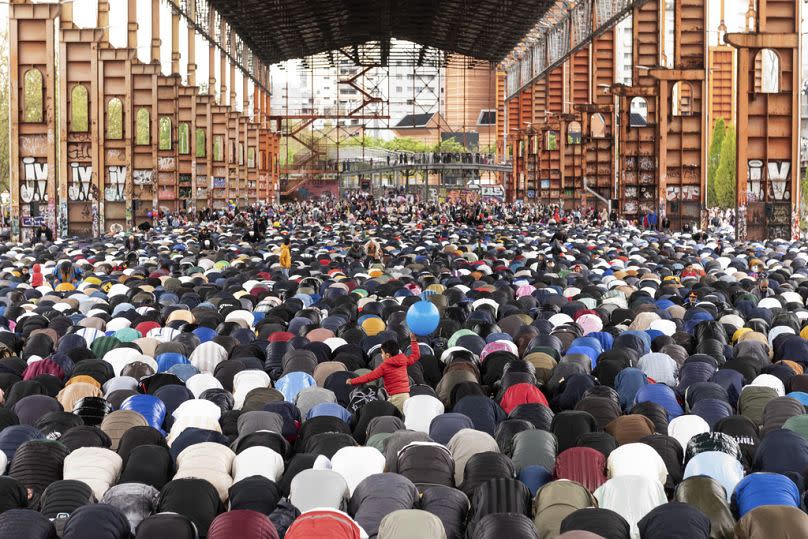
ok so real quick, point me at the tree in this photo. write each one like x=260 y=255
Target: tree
x=407 y=144
x=719 y=132
x=5 y=135
x=726 y=177
x=450 y=146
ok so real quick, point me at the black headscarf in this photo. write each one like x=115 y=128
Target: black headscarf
x=97 y=521
x=195 y=498
x=65 y=496
x=12 y=494
x=256 y=493
x=148 y=464
x=137 y=436
x=26 y=523
x=166 y=526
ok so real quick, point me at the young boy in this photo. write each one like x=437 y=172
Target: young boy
x=394 y=371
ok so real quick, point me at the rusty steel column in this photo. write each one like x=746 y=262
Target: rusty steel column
x=103 y=19
x=223 y=96
x=245 y=181
x=203 y=189
x=192 y=45
x=32 y=156
x=79 y=140
x=638 y=173
x=768 y=123
x=131 y=24
x=212 y=57
x=155 y=31
x=232 y=101
x=597 y=119
x=578 y=84
x=175 y=42
x=682 y=120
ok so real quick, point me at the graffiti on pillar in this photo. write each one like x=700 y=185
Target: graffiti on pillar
x=79 y=151
x=80 y=180
x=142 y=177
x=741 y=222
x=778 y=173
x=51 y=215
x=754 y=179
x=35 y=180
x=685 y=192
x=95 y=223
x=29 y=221
x=116 y=156
x=116 y=183
x=63 y=219
x=166 y=163
x=34 y=145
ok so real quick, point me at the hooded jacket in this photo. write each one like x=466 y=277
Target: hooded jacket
x=37 y=279
x=393 y=370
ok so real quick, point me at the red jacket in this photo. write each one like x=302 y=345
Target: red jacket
x=37 y=278
x=394 y=371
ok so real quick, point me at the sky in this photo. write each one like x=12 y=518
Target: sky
x=85 y=15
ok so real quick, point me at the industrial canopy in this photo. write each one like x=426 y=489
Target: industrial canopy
x=278 y=30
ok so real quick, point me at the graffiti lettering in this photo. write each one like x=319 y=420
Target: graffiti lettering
x=166 y=163
x=778 y=173
x=685 y=192
x=142 y=177
x=96 y=227
x=754 y=178
x=34 y=145
x=79 y=151
x=80 y=178
x=116 y=156
x=35 y=175
x=29 y=221
x=63 y=220
x=116 y=182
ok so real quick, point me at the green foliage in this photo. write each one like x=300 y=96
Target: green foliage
x=164 y=141
x=725 y=182
x=184 y=138
x=406 y=144
x=5 y=134
x=201 y=142
x=804 y=189
x=552 y=141
x=79 y=109
x=142 y=127
x=719 y=132
x=115 y=119
x=449 y=146
x=804 y=200
x=33 y=98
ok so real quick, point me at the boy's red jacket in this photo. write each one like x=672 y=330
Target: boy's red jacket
x=393 y=371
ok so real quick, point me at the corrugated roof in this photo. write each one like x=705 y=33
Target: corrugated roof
x=278 y=30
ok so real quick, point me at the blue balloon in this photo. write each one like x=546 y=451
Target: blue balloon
x=423 y=318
